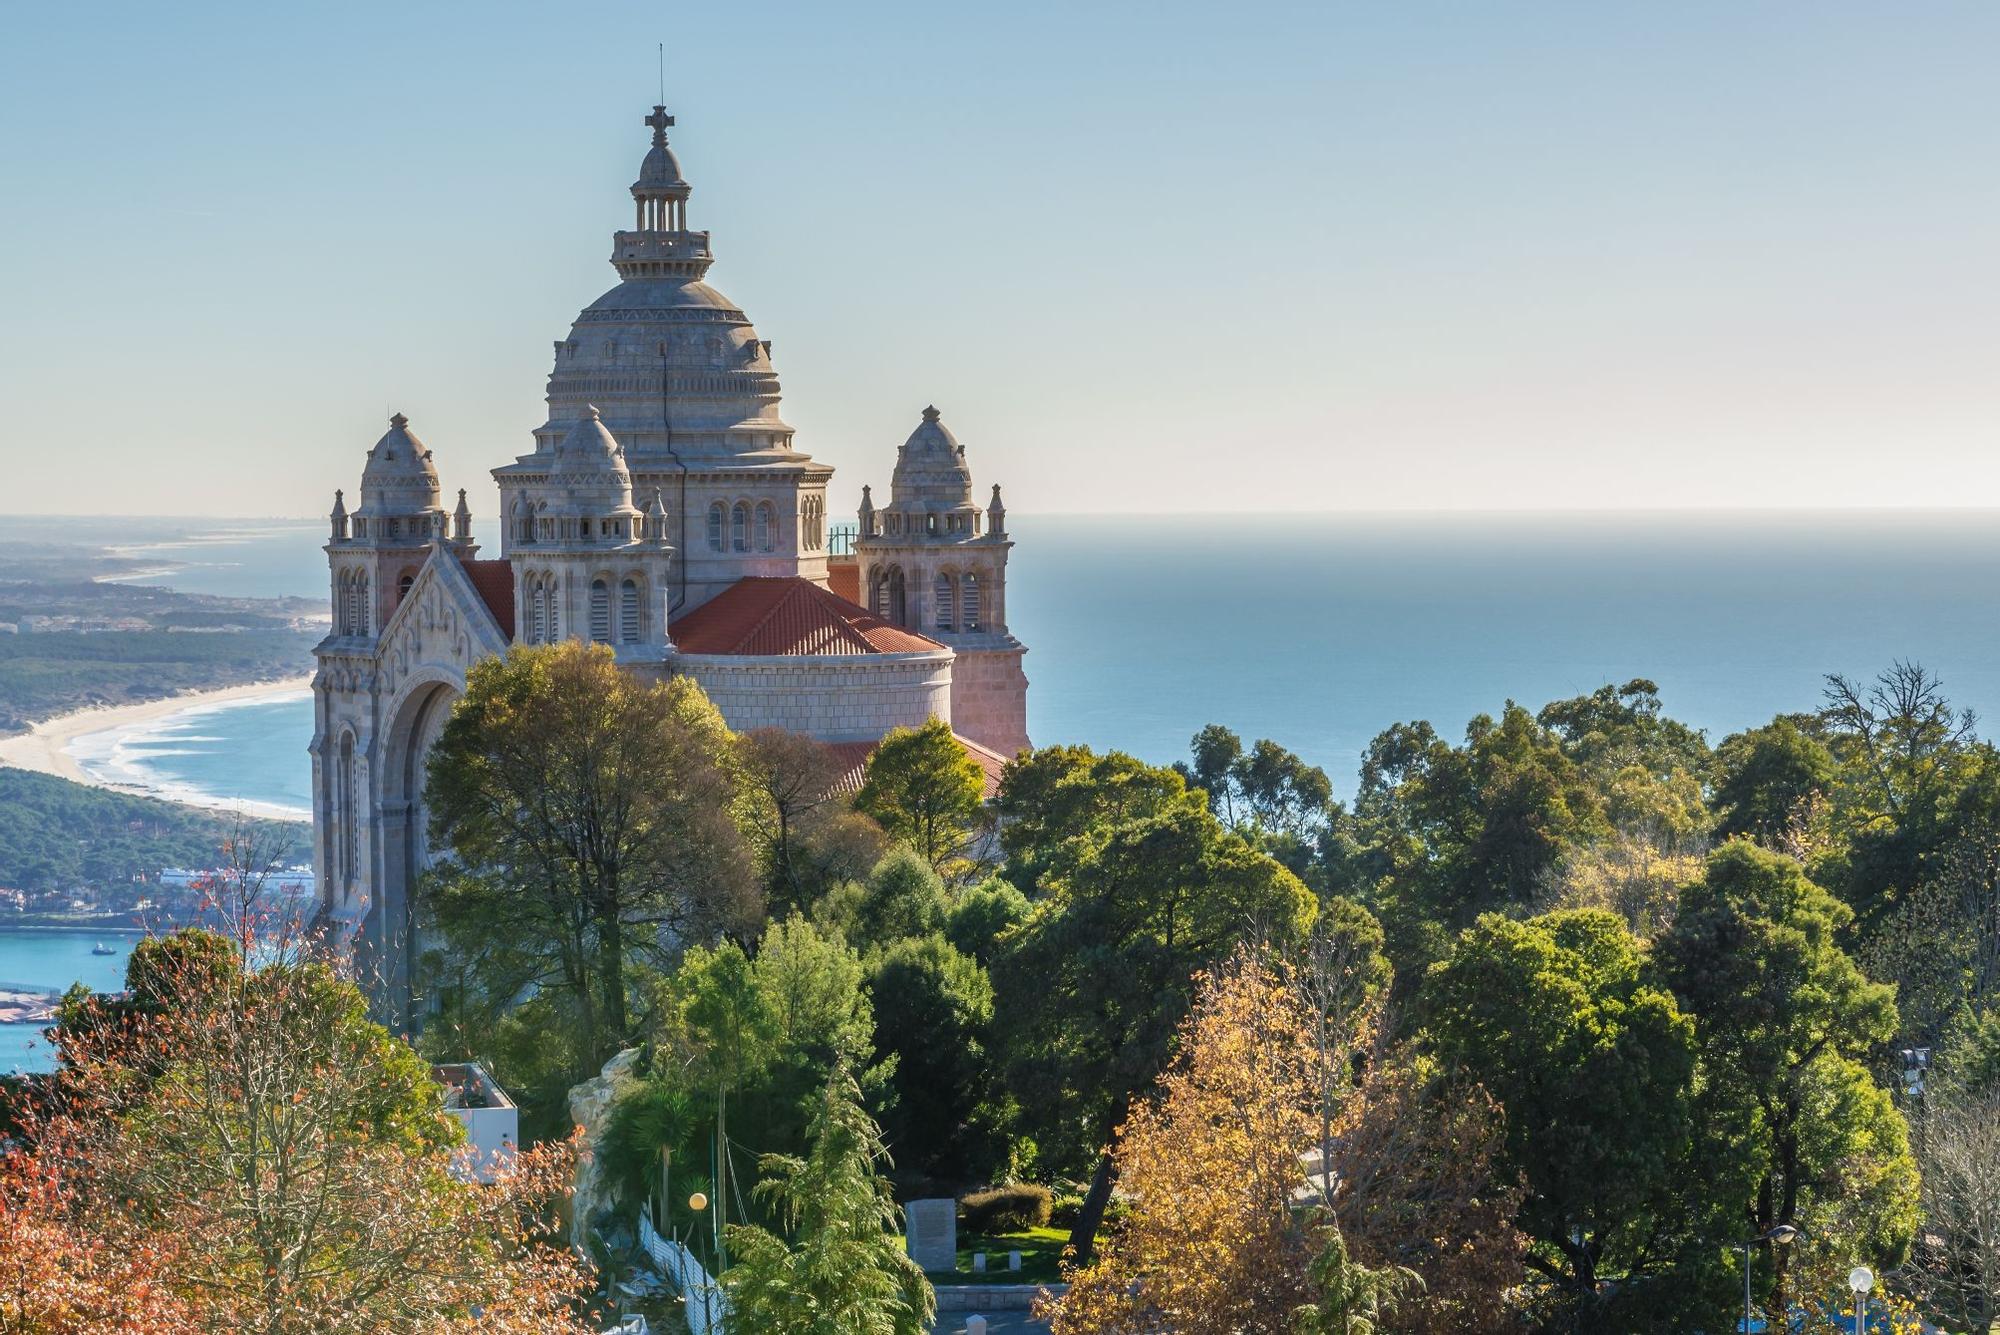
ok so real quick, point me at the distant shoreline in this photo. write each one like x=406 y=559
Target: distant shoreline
x=44 y=749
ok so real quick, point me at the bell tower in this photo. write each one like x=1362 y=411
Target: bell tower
x=933 y=562
x=588 y=563
x=375 y=551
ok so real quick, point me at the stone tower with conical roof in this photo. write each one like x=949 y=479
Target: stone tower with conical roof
x=933 y=561
x=588 y=563
x=376 y=549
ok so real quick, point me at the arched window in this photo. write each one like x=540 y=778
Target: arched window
x=344 y=813
x=739 y=527
x=628 y=612
x=364 y=615
x=878 y=593
x=403 y=588
x=971 y=614
x=715 y=513
x=767 y=524
x=899 y=599
x=531 y=599
x=946 y=598
x=600 y=611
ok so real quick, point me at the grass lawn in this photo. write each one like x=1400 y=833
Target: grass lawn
x=1040 y=1248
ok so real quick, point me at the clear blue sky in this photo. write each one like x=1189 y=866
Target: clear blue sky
x=1154 y=257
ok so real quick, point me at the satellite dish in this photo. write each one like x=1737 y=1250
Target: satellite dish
x=1861 y=1279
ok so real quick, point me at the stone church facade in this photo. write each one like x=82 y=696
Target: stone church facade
x=666 y=511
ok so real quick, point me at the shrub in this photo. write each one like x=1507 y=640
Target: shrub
x=1067 y=1204
x=1011 y=1209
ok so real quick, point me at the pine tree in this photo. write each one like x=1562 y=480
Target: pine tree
x=843 y=1270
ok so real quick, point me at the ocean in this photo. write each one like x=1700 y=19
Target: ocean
x=1316 y=631
x=39 y=961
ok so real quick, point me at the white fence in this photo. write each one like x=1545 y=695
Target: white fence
x=701 y=1296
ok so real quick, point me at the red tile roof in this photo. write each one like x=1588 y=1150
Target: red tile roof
x=789 y=615
x=495 y=582
x=853 y=758
x=843 y=576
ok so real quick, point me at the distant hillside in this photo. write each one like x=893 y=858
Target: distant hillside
x=55 y=834
x=43 y=675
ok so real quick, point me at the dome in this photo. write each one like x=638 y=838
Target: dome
x=931 y=473
x=399 y=478
x=588 y=473
x=659 y=168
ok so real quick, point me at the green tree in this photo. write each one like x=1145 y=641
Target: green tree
x=1059 y=793
x=903 y=898
x=982 y=915
x=1454 y=832
x=933 y=1007
x=1091 y=989
x=836 y=1266
x=751 y=1039
x=1596 y=1071
x=1768 y=777
x=1785 y=1020
x=1908 y=787
x=589 y=820
x=925 y=789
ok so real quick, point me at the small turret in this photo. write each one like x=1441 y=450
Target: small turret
x=996 y=515
x=339 y=516
x=867 y=512
x=656 y=520
x=461 y=519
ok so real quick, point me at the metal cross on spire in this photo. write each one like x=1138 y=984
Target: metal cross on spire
x=659 y=120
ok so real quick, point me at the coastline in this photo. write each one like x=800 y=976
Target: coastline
x=45 y=748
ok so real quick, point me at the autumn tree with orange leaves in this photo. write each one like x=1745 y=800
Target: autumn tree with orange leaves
x=232 y=1149
x=1213 y=1241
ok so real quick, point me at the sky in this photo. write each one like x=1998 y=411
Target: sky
x=1159 y=257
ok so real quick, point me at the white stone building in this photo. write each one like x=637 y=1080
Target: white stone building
x=665 y=510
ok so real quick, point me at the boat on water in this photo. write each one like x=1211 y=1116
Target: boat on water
x=101 y=949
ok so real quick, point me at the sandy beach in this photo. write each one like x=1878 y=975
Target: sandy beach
x=45 y=749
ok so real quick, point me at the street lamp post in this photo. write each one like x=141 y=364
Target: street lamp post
x=1862 y=1280
x=1778 y=1236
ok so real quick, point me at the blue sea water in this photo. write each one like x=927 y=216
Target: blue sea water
x=49 y=961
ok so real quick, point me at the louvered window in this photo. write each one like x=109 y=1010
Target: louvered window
x=600 y=611
x=715 y=527
x=628 y=612
x=767 y=522
x=971 y=613
x=739 y=527
x=946 y=598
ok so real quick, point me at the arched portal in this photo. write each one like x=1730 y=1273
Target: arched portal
x=389 y=931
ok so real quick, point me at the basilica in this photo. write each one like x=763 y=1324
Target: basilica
x=665 y=511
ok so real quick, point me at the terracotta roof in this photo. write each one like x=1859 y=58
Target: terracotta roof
x=788 y=615
x=853 y=758
x=495 y=582
x=843 y=576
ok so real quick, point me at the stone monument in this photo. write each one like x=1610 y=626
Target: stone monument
x=933 y=1232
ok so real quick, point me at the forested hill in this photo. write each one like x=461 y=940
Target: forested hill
x=57 y=835
x=44 y=675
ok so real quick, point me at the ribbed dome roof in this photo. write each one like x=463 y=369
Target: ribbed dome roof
x=931 y=473
x=588 y=473
x=659 y=167
x=399 y=478
x=589 y=453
